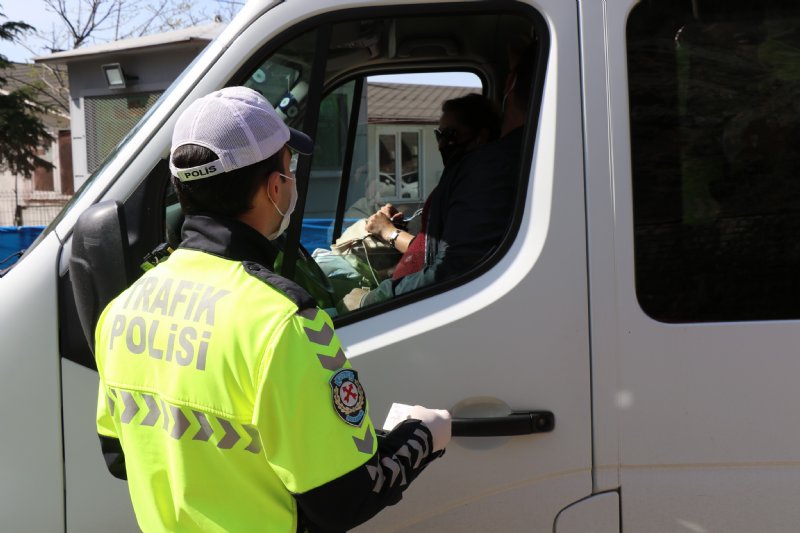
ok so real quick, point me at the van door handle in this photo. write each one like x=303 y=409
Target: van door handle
x=520 y=423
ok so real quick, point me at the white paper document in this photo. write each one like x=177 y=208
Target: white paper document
x=397 y=414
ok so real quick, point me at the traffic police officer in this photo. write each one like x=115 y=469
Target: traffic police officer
x=225 y=397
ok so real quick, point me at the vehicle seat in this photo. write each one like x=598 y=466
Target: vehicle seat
x=98 y=264
x=174 y=222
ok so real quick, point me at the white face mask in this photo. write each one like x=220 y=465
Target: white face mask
x=288 y=214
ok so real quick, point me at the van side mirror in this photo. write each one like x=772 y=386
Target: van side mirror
x=98 y=262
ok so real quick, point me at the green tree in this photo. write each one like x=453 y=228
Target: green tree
x=21 y=129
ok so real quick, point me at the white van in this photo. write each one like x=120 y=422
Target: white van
x=646 y=293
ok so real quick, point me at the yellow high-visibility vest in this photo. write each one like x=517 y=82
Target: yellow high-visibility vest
x=225 y=396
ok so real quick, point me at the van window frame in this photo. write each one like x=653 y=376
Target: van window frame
x=323 y=23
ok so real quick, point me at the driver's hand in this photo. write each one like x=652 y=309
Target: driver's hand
x=391 y=213
x=353 y=299
x=380 y=225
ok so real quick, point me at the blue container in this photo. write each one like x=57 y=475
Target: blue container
x=16 y=238
x=316 y=233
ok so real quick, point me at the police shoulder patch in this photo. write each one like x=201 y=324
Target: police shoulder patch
x=349 y=401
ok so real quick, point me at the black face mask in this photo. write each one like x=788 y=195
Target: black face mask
x=452 y=151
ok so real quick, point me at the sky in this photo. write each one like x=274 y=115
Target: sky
x=30 y=11
x=34 y=12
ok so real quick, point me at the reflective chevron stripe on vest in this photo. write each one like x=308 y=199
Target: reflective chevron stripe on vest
x=145 y=410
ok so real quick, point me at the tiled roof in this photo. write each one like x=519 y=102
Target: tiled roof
x=407 y=103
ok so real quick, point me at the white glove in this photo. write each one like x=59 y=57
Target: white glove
x=437 y=421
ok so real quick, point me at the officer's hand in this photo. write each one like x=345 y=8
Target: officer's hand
x=438 y=422
x=353 y=299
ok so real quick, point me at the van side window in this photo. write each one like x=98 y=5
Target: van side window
x=377 y=142
x=715 y=118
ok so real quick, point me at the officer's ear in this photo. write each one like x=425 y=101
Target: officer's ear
x=272 y=185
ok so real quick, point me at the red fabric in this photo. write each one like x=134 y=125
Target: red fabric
x=414 y=258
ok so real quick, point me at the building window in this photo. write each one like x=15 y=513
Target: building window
x=398 y=154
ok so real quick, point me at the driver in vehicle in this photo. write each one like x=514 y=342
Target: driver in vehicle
x=466 y=123
x=468 y=212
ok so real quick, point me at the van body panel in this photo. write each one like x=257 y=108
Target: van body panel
x=707 y=411
x=96 y=501
x=486 y=345
x=596 y=514
x=600 y=232
x=515 y=507
x=31 y=461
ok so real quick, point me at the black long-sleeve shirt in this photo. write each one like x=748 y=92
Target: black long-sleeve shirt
x=470 y=212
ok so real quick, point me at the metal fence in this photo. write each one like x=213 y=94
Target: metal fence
x=30 y=208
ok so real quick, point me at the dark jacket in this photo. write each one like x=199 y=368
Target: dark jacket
x=470 y=212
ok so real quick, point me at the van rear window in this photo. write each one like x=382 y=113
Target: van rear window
x=715 y=117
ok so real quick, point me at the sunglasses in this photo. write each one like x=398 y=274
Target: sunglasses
x=445 y=134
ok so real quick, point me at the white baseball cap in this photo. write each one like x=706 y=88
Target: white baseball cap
x=239 y=125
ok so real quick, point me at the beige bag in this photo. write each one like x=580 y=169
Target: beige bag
x=379 y=255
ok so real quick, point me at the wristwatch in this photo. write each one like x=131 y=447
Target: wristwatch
x=393 y=237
